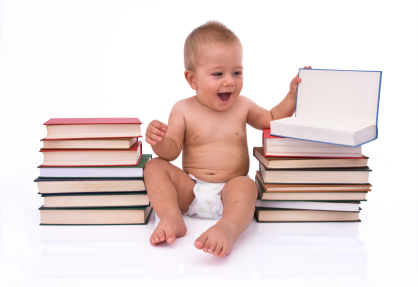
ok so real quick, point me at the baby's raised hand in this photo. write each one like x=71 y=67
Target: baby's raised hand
x=296 y=80
x=155 y=132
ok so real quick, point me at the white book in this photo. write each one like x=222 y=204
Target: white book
x=334 y=106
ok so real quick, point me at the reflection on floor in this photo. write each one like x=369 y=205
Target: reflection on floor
x=264 y=250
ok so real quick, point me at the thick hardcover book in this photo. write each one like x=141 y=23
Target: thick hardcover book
x=108 y=143
x=107 y=215
x=308 y=195
x=88 y=157
x=355 y=175
x=310 y=205
x=334 y=106
x=86 y=185
x=293 y=215
x=126 y=171
x=287 y=147
x=307 y=187
x=78 y=128
x=307 y=162
x=96 y=200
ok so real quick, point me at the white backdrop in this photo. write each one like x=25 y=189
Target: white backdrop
x=124 y=59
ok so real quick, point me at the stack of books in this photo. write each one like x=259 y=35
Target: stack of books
x=92 y=172
x=311 y=165
x=306 y=181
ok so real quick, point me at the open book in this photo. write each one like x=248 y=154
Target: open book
x=334 y=106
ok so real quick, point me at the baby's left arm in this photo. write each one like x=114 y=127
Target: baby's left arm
x=260 y=118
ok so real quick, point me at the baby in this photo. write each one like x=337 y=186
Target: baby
x=210 y=128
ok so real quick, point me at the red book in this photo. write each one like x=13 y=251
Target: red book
x=275 y=146
x=83 y=128
x=89 y=157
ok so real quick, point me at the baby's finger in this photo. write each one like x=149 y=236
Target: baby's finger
x=159 y=125
x=153 y=137
x=164 y=127
x=152 y=129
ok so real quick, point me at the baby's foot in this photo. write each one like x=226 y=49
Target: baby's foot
x=171 y=226
x=219 y=239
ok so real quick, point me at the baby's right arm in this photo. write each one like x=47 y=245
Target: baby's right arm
x=167 y=141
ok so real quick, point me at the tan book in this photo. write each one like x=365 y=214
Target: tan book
x=109 y=215
x=89 y=185
x=307 y=162
x=309 y=195
x=282 y=187
x=110 y=143
x=84 y=128
x=289 y=215
x=95 y=200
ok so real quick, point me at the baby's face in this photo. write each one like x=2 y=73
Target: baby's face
x=218 y=76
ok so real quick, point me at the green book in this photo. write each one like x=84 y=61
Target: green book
x=298 y=215
x=95 y=215
x=136 y=171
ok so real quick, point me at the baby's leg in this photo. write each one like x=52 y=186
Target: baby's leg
x=238 y=197
x=170 y=191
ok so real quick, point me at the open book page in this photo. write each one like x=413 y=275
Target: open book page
x=347 y=96
x=323 y=124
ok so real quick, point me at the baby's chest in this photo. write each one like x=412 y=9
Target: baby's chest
x=215 y=129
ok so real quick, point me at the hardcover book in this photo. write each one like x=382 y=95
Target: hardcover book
x=334 y=106
x=89 y=157
x=108 y=143
x=310 y=205
x=294 y=215
x=96 y=200
x=354 y=175
x=78 y=128
x=288 y=147
x=124 y=171
x=86 y=185
x=307 y=187
x=107 y=215
x=307 y=162
x=309 y=195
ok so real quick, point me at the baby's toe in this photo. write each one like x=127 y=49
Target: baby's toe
x=161 y=235
x=225 y=250
x=170 y=234
x=154 y=239
x=217 y=249
x=200 y=241
x=212 y=246
x=209 y=245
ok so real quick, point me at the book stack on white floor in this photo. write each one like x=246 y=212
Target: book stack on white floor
x=92 y=172
x=311 y=165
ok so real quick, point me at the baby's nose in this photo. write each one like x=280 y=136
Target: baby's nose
x=228 y=81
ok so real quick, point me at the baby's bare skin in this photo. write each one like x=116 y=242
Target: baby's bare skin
x=210 y=129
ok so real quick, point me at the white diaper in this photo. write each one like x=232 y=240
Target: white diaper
x=207 y=202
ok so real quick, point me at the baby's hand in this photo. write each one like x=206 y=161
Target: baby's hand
x=155 y=132
x=294 y=83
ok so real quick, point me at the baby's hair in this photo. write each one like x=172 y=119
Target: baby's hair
x=212 y=33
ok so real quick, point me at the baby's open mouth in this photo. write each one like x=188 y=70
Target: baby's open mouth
x=224 y=96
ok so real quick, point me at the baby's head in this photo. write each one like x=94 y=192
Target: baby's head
x=213 y=63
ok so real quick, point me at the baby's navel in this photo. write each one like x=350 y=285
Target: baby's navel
x=211 y=174
x=236 y=133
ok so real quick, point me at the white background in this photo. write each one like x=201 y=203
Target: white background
x=125 y=59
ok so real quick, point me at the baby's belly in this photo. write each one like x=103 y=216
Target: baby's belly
x=216 y=162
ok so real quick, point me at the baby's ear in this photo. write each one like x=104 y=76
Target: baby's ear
x=191 y=79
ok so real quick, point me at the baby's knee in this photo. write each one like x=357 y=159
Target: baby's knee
x=155 y=164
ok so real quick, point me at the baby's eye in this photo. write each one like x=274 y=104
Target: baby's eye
x=237 y=73
x=217 y=74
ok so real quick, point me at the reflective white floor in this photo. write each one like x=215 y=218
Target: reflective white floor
x=379 y=251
